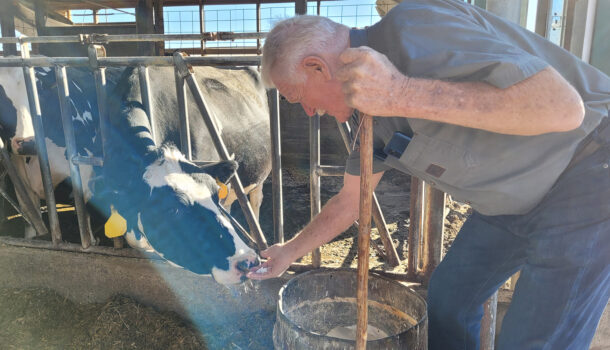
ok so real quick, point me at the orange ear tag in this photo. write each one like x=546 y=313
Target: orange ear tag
x=223 y=191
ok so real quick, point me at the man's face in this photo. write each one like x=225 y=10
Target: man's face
x=316 y=96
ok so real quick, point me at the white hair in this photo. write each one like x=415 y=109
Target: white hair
x=293 y=39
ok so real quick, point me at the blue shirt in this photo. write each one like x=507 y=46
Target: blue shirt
x=497 y=174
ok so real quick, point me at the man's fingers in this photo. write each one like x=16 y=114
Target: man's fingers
x=265 y=253
x=349 y=55
x=352 y=54
x=260 y=272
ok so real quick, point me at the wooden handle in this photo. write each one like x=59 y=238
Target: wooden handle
x=364 y=230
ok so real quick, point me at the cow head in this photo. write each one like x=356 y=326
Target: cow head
x=175 y=207
x=15 y=119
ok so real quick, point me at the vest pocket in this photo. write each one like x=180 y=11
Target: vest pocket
x=434 y=160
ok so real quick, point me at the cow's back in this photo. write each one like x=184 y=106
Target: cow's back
x=235 y=96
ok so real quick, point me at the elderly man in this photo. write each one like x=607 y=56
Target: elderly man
x=492 y=114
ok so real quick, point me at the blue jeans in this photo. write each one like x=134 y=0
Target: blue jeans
x=562 y=248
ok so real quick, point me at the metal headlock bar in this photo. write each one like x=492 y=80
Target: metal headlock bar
x=184 y=72
x=384 y=234
x=84 y=225
x=128 y=61
x=97 y=62
x=41 y=146
x=87 y=39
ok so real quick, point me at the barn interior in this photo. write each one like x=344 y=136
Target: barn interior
x=92 y=276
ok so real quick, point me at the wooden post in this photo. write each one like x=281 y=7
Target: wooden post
x=202 y=26
x=7 y=21
x=144 y=25
x=258 y=26
x=300 y=7
x=314 y=179
x=159 y=27
x=414 y=238
x=542 y=17
x=364 y=229
x=432 y=228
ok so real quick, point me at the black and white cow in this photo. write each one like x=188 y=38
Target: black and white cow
x=166 y=200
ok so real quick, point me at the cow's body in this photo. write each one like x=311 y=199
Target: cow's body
x=162 y=196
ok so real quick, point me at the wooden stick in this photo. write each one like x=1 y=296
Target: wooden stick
x=364 y=229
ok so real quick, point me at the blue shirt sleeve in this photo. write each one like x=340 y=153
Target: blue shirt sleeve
x=439 y=40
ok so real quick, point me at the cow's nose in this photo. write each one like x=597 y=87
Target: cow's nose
x=242 y=266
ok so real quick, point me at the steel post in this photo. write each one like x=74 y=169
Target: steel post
x=97 y=52
x=29 y=212
x=41 y=147
x=488 y=322
x=84 y=225
x=146 y=101
x=99 y=72
x=185 y=135
x=276 y=166
x=314 y=178
x=414 y=239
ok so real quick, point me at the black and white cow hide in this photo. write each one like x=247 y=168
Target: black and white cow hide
x=167 y=201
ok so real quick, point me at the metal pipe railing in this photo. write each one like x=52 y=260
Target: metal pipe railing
x=127 y=61
x=185 y=135
x=108 y=38
x=84 y=225
x=185 y=72
x=41 y=146
x=146 y=100
x=276 y=166
x=314 y=178
x=97 y=62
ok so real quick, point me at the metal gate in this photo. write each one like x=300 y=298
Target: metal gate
x=97 y=62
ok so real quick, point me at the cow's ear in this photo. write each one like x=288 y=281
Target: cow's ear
x=222 y=171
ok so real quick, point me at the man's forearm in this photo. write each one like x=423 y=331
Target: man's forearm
x=335 y=217
x=541 y=104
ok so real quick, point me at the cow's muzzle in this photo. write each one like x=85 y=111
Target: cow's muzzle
x=24 y=146
x=244 y=266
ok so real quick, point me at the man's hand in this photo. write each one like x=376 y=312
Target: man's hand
x=371 y=83
x=278 y=260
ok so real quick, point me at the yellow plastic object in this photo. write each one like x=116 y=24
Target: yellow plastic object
x=223 y=192
x=116 y=225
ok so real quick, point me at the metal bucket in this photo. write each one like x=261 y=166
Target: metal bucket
x=317 y=302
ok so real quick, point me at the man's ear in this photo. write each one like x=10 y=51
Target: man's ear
x=316 y=65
